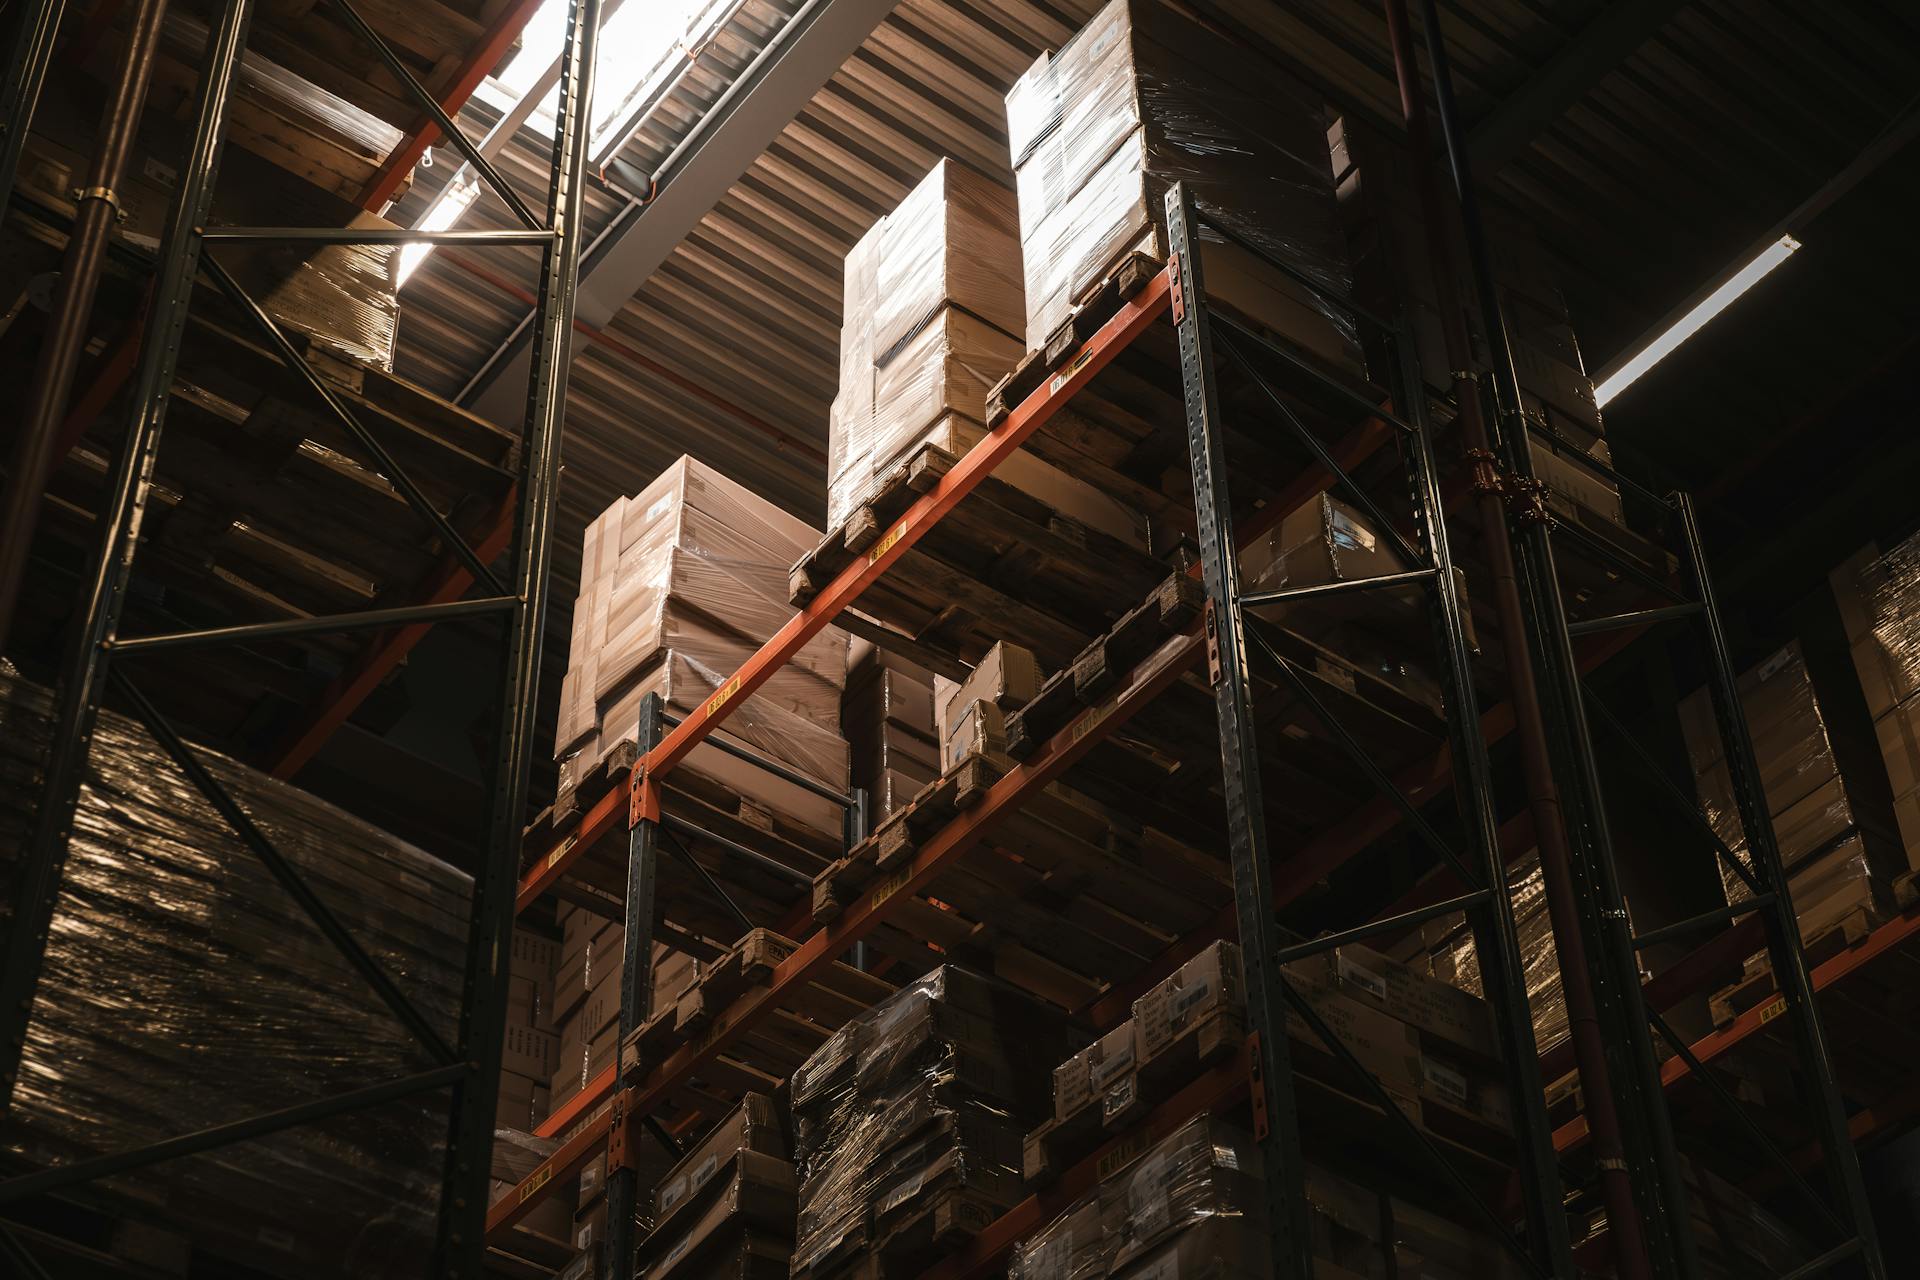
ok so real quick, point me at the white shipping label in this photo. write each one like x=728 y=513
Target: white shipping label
x=904 y=1192
x=1359 y=975
x=1449 y=1084
x=673 y=1192
x=1113 y=1064
x=705 y=1170
x=1186 y=999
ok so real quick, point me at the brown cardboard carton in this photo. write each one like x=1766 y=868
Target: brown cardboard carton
x=753 y=1126
x=1084 y=1078
x=1433 y=1006
x=529 y=1052
x=1206 y=985
x=761 y=1192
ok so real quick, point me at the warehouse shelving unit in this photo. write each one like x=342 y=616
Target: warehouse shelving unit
x=1627 y=1024
x=632 y=1092
x=468 y=1064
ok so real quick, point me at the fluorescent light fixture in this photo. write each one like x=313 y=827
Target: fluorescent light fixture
x=1686 y=326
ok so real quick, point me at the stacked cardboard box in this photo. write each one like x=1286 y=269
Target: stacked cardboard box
x=929 y=310
x=973 y=713
x=1426 y=1041
x=727 y=1207
x=183 y=987
x=1193 y=1204
x=1328 y=541
x=1142 y=97
x=1387 y=238
x=1879 y=599
x=1445 y=949
x=532 y=1048
x=515 y=1156
x=1836 y=865
x=888 y=717
x=678 y=587
x=908 y=1122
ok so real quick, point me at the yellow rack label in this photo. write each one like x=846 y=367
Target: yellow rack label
x=885 y=544
x=719 y=699
x=1774 y=1010
x=1116 y=1159
x=553 y=859
x=1067 y=371
x=538 y=1179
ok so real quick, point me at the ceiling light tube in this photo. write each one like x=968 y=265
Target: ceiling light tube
x=1689 y=324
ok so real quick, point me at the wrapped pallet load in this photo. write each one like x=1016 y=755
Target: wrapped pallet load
x=1840 y=866
x=1143 y=97
x=679 y=586
x=931 y=305
x=1879 y=598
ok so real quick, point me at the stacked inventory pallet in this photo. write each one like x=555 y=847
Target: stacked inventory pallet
x=1085 y=885
x=1056 y=852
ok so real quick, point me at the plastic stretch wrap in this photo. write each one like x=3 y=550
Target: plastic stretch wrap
x=345 y=298
x=183 y=988
x=1206 y=1173
x=1143 y=97
x=1455 y=958
x=679 y=587
x=919 y=1095
x=929 y=303
x=1880 y=604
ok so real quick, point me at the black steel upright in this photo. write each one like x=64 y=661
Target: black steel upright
x=471 y=1063
x=1247 y=849
x=1545 y=1249
x=1626 y=1022
x=27 y=60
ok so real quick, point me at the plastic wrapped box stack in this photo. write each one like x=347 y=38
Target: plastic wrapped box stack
x=888 y=717
x=176 y=964
x=1879 y=599
x=678 y=587
x=1142 y=97
x=1444 y=948
x=726 y=1209
x=1837 y=867
x=908 y=1122
x=930 y=308
x=1387 y=239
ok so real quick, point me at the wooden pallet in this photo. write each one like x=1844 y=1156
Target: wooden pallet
x=1757 y=985
x=762 y=1059
x=1002 y=566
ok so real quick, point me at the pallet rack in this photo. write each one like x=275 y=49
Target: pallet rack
x=468 y=1064
x=1220 y=636
x=1626 y=1023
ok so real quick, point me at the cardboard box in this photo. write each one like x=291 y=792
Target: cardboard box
x=1084 y=1079
x=753 y=1126
x=1206 y=985
x=1400 y=991
x=760 y=1192
x=529 y=1052
x=534 y=955
x=973 y=728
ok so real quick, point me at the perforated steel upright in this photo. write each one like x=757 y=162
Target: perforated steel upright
x=468 y=1064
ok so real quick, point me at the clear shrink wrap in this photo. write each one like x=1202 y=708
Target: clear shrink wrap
x=1206 y=1175
x=1143 y=97
x=930 y=303
x=176 y=966
x=1807 y=794
x=924 y=1093
x=680 y=586
x=1454 y=958
x=345 y=298
x=1879 y=598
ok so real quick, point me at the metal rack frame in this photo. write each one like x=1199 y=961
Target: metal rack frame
x=1176 y=293
x=1627 y=1023
x=470 y=1064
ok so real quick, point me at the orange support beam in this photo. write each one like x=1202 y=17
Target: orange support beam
x=485 y=56
x=351 y=687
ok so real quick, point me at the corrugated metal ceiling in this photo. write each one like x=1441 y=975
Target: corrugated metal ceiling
x=1672 y=158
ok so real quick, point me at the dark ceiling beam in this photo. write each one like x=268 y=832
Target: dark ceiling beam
x=1603 y=44
x=721 y=147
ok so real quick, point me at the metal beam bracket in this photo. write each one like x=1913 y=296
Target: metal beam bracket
x=643 y=796
x=621 y=1140
x=1256 y=1088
